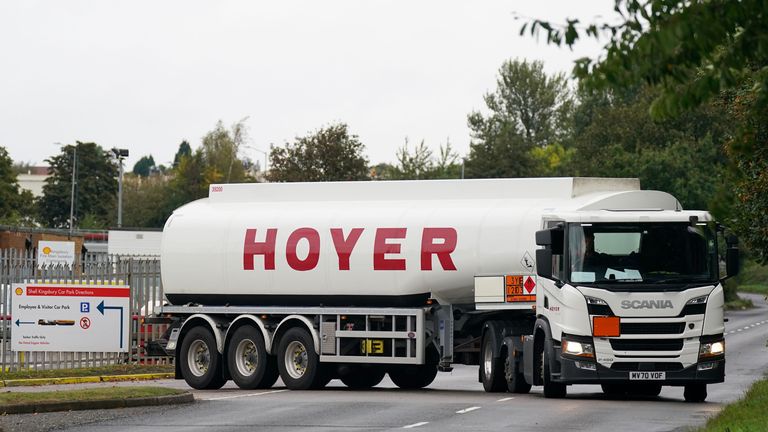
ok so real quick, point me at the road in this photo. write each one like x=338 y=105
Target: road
x=454 y=402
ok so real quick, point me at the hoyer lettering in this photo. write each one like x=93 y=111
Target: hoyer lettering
x=387 y=246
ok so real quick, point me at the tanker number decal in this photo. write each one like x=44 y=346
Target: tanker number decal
x=440 y=242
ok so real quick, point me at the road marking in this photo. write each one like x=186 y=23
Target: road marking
x=415 y=425
x=245 y=395
x=505 y=399
x=466 y=410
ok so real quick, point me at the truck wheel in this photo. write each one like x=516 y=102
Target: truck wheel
x=297 y=361
x=491 y=369
x=552 y=390
x=515 y=380
x=360 y=377
x=200 y=360
x=249 y=364
x=413 y=377
x=695 y=392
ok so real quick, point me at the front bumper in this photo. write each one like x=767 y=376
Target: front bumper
x=570 y=373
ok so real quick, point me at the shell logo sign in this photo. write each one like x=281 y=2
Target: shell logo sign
x=52 y=253
x=19 y=291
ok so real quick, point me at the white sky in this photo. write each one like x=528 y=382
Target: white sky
x=144 y=75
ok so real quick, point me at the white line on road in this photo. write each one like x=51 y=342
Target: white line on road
x=415 y=425
x=505 y=399
x=466 y=410
x=245 y=395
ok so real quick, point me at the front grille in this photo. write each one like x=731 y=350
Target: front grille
x=649 y=366
x=647 y=344
x=652 y=328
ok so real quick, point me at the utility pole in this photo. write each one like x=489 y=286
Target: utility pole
x=72 y=195
x=120 y=154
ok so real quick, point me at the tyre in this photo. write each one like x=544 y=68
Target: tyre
x=249 y=364
x=361 y=377
x=695 y=393
x=515 y=380
x=413 y=377
x=552 y=390
x=297 y=361
x=200 y=360
x=491 y=368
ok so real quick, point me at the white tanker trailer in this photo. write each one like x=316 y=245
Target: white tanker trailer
x=551 y=282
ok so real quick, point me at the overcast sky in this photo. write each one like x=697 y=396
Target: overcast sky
x=145 y=75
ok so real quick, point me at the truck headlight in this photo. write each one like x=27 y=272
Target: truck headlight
x=578 y=349
x=712 y=349
x=697 y=300
x=595 y=301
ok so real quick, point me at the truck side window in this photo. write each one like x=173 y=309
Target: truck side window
x=558 y=271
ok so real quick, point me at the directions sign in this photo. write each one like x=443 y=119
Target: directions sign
x=70 y=317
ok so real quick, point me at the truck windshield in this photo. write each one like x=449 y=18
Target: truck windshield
x=641 y=253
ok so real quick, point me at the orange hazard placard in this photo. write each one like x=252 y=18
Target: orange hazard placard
x=605 y=326
x=516 y=290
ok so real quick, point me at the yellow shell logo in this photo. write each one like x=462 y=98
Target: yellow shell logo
x=19 y=291
x=46 y=250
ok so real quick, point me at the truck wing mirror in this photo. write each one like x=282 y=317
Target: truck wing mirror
x=551 y=239
x=544 y=263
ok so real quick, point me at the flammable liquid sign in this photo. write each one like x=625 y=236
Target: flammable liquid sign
x=57 y=317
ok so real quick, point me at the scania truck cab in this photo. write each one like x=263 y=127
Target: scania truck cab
x=631 y=300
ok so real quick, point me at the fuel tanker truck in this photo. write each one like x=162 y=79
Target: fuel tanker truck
x=547 y=282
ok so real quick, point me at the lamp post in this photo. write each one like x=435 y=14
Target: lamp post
x=266 y=154
x=72 y=193
x=72 y=189
x=120 y=154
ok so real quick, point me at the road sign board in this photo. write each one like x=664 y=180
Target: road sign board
x=44 y=317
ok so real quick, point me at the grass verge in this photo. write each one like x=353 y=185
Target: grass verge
x=739 y=304
x=745 y=415
x=92 y=371
x=92 y=394
x=753 y=278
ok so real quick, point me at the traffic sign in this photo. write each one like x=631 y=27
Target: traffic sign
x=58 y=317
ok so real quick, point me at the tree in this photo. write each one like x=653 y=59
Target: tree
x=529 y=109
x=413 y=165
x=328 y=154
x=137 y=192
x=693 y=51
x=145 y=166
x=95 y=191
x=219 y=152
x=15 y=205
x=185 y=150
x=614 y=136
x=421 y=164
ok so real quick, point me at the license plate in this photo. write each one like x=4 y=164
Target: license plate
x=647 y=376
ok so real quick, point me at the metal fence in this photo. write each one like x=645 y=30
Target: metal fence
x=141 y=273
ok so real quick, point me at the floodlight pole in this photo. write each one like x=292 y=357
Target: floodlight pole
x=72 y=194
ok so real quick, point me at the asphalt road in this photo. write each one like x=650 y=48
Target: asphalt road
x=454 y=402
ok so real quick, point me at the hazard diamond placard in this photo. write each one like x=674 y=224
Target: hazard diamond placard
x=57 y=317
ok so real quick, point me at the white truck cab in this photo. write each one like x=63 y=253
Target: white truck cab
x=629 y=299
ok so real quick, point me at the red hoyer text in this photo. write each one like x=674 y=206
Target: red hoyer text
x=439 y=242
